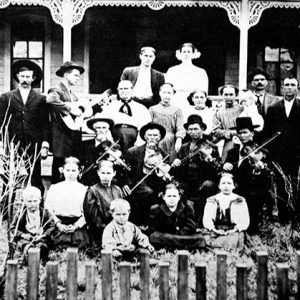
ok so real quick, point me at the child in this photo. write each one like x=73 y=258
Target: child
x=121 y=237
x=226 y=215
x=172 y=223
x=65 y=203
x=97 y=202
x=34 y=226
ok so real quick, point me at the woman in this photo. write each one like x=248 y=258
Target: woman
x=200 y=105
x=186 y=77
x=65 y=203
x=170 y=117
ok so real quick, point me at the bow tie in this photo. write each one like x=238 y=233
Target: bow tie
x=125 y=109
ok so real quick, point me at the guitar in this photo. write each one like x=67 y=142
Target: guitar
x=86 y=106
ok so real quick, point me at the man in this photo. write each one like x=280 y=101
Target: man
x=128 y=115
x=24 y=112
x=259 y=82
x=146 y=81
x=284 y=116
x=197 y=165
x=92 y=149
x=143 y=160
x=66 y=140
x=225 y=118
x=251 y=175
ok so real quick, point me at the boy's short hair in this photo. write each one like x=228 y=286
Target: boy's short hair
x=119 y=203
x=31 y=190
x=107 y=163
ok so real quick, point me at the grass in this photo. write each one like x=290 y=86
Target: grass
x=274 y=239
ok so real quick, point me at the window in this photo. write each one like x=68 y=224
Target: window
x=28 y=42
x=279 y=64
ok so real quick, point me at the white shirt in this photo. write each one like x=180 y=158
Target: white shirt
x=24 y=94
x=288 y=106
x=142 y=88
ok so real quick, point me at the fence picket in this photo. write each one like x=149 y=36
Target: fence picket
x=262 y=275
x=221 y=275
x=164 y=280
x=11 y=280
x=200 y=270
x=241 y=282
x=298 y=275
x=282 y=281
x=145 y=275
x=106 y=274
x=71 y=283
x=90 y=273
x=182 y=281
x=51 y=280
x=125 y=274
x=33 y=273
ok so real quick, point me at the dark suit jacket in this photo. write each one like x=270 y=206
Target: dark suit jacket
x=28 y=123
x=64 y=141
x=267 y=102
x=157 y=79
x=286 y=148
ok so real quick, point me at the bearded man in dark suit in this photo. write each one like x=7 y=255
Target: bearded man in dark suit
x=145 y=80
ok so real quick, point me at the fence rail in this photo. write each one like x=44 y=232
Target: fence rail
x=71 y=289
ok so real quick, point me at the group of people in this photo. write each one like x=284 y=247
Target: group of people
x=166 y=167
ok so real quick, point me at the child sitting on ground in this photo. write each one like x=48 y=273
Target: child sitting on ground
x=123 y=238
x=96 y=205
x=172 y=223
x=226 y=215
x=34 y=226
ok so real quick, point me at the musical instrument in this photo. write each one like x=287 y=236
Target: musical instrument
x=86 y=106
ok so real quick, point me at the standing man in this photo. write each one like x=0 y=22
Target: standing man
x=259 y=82
x=146 y=81
x=284 y=116
x=65 y=139
x=24 y=111
x=128 y=115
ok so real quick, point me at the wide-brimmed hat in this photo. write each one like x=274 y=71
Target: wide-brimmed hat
x=152 y=125
x=68 y=65
x=99 y=118
x=195 y=119
x=258 y=71
x=30 y=65
x=244 y=123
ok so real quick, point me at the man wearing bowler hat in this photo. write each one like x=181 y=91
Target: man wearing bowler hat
x=65 y=138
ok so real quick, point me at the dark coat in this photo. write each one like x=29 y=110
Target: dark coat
x=181 y=221
x=285 y=149
x=267 y=102
x=65 y=142
x=28 y=123
x=157 y=79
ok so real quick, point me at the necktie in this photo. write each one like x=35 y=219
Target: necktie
x=259 y=104
x=125 y=109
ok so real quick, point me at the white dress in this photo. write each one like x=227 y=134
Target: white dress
x=186 y=78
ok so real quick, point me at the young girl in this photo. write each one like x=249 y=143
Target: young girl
x=226 y=215
x=35 y=225
x=121 y=237
x=65 y=202
x=97 y=202
x=172 y=223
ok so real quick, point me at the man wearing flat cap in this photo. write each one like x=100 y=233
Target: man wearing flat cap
x=259 y=82
x=142 y=160
x=145 y=80
x=65 y=139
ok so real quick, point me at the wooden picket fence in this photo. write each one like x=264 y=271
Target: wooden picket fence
x=125 y=274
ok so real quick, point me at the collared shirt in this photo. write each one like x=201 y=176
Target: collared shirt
x=24 y=94
x=288 y=106
x=33 y=221
x=142 y=88
x=72 y=96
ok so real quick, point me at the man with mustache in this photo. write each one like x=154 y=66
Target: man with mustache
x=259 y=82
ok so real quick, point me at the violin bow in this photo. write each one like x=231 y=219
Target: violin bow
x=147 y=175
x=273 y=137
x=90 y=167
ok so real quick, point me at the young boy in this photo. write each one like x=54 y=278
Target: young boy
x=97 y=202
x=123 y=238
x=34 y=226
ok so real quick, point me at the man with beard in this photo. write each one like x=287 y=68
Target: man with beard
x=146 y=81
x=24 y=112
x=225 y=118
x=196 y=166
x=259 y=82
x=143 y=176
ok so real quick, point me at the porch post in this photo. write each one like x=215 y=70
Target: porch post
x=244 y=26
x=67 y=13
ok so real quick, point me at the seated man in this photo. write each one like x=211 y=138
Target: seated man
x=98 y=199
x=146 y=81
x=142 y=182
